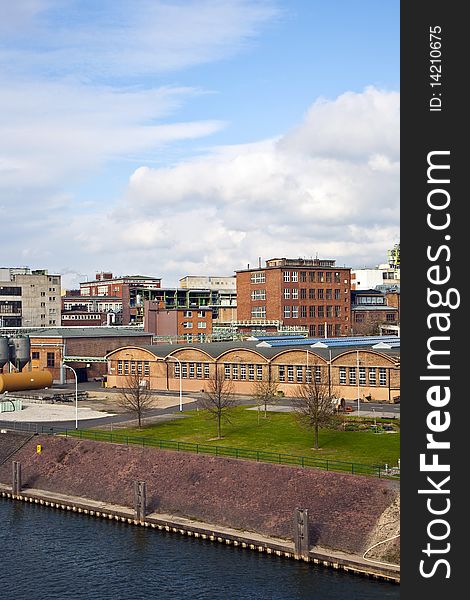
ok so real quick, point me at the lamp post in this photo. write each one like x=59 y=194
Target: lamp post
x=358 y=391
x=181 y=380
x=76 y=393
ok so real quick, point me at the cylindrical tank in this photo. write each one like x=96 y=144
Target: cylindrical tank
x=20 y=351
x=29 y=380
x=4 y=351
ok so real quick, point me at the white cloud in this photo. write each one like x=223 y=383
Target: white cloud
x=292 y=196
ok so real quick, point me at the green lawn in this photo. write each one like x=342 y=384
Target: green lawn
x=279 y=432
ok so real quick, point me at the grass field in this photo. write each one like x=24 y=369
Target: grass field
x=279 y=432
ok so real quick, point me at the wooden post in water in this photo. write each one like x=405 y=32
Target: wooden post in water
x=140 y=499
x=16 y=478
x=301 y=543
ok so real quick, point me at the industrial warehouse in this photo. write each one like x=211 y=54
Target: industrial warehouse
x=368 y=368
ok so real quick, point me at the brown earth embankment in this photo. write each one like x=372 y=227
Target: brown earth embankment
x=344 y=509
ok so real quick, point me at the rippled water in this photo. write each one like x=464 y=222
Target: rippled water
x=47 y=554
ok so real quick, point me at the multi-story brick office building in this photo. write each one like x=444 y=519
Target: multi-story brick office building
x=312 y=293
x=130 y=289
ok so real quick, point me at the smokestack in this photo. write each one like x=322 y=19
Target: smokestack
x=259 y=262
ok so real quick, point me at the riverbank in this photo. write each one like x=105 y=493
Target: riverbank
x=222 y=496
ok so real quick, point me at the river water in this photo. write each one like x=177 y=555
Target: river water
x=48 y=555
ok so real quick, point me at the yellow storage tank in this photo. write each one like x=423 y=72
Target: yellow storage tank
x=27 y=380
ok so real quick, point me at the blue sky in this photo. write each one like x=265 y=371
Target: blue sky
x=123 y=120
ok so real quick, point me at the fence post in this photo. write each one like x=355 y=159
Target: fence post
x=301 y=541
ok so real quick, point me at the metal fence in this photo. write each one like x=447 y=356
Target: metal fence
x=325 y=464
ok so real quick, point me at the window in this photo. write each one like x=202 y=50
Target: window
x=258 y=277
x=382 y=376
x=329 y=294
x=258 y=295
x=290 y=374
x=337 y=277
x=362 y=376
x=337 y=294
x=299 y=374
x=251 y=372
x=126 y=367
x=258 y=312
x=140 y=367
x=308 y=375
x=295 y=276
x=303 y=293
x=303 y=312
x=303 y=276
x=295 y=294
x=206 y=371
x=372 y=376
x=286 y=312
x=295 y=312
x=133 y=367
x=259 y=372
x=119 y=367
x=321 y=330
x=320 y=311
x=243 y=372
x=286 y=293
x=337 y=311
x=320 y=294
x=282 y=374
x=202 y=325
x=188 y=314
x=184 y=370
x=337 y=330
x=235 y=372
x=329 y=329
x=312 y=330
x=201 y=313
x=352 y=375
x=35 y=355
x=311 y=276
x=146 y=367
x=321 y=277
x=317 y=374
x=177 y=369
x=329 y=311
x=187 y=325
x=191 y=370
x=342 y=375
x=311 y=311
x=390 y=316
x=286 y=276
x=329 y=275
x=227 y=371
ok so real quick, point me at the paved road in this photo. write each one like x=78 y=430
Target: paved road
x=171 y=410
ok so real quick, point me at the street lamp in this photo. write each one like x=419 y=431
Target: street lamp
x=76 y=393
x=181 y=380
x=358 y=392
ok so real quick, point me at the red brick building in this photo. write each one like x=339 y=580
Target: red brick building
x=312 y=293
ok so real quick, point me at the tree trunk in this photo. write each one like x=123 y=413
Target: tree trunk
x=219 y=428
x=316 y=436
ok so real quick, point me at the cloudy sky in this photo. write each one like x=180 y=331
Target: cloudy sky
x=190 y=137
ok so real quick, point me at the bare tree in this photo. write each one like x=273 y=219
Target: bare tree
x=314 y=404
x=218 y=398
x=264 y=393
x=135 y=397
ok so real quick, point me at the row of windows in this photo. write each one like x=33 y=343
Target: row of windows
x=189 y=325
x=189 y=313
x=320 y=294
x=192 y=370
x=190 y=337
x=286 y=373
x=319 y=330
x=318 y=276
x=349 y=375
x=133 y=367
x=319 y=311
x=87 y=316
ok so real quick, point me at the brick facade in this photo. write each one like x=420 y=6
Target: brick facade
x=297 y=293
